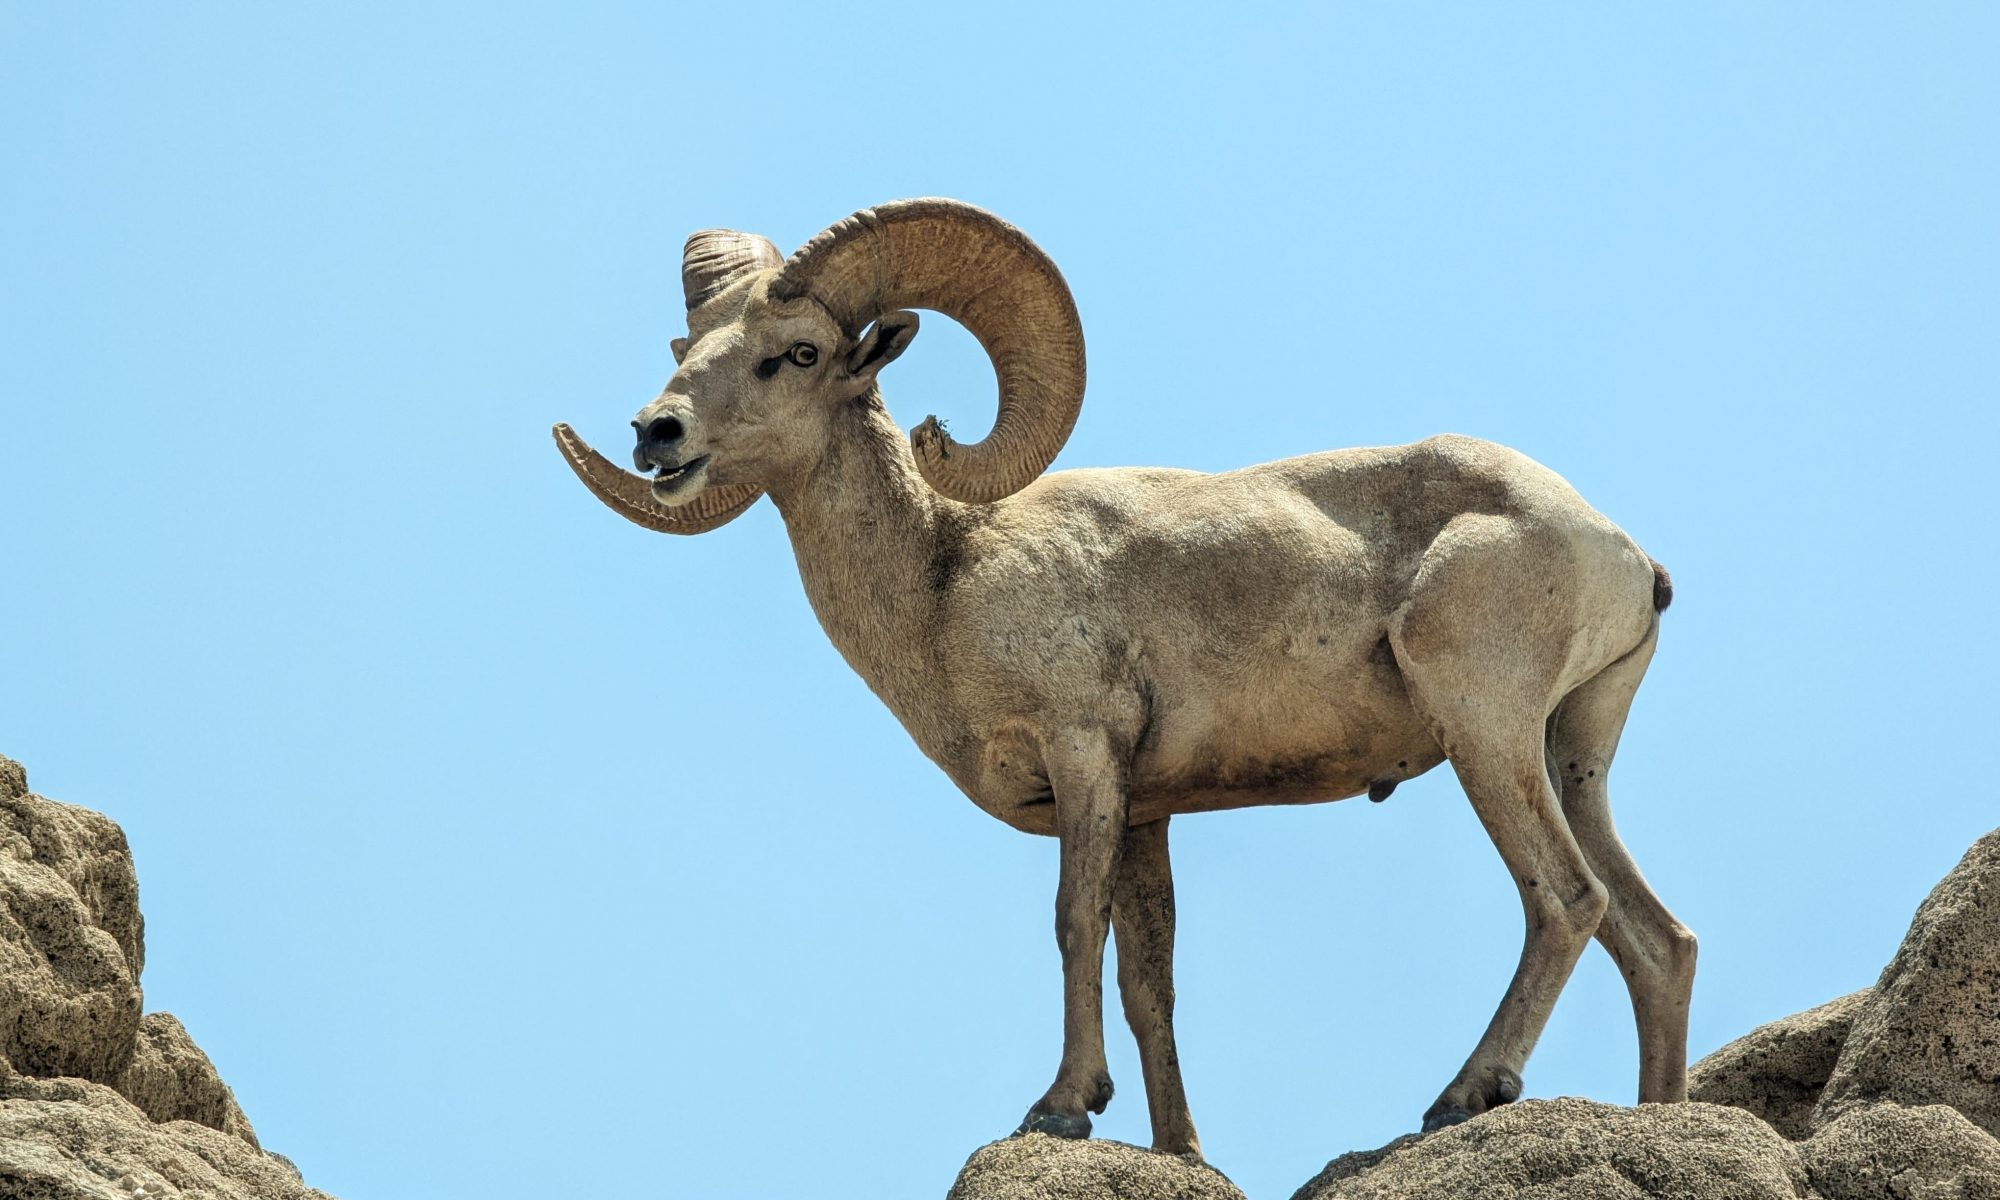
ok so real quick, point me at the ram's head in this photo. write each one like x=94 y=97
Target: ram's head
x=776 y=346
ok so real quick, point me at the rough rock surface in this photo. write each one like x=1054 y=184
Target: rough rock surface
x=1886 y=1150
x=1039 y=1167
x=1777 y=1071
x=1930 y=1033
x=70 y=937
x=96 y=1101
x=68 y=1139
x=1573 y=1149
x=170 y=1079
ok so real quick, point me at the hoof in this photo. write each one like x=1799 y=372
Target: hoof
x=1461 y=1103
x=1439 y=1118
x=1055 y=1125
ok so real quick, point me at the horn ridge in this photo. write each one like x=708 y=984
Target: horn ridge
x=712 y=259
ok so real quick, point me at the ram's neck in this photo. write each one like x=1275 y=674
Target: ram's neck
x=863 y=526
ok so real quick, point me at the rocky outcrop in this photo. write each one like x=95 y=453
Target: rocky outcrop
x=67 y=1139
x=1039 y=1167
x=71 y=941
x=1576 y=1150
x=1930 y=1032
x=1778 y=1071
x=97 y=1100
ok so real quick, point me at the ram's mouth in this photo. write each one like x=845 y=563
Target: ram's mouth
x=675 y=484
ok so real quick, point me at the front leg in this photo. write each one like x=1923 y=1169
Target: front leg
x=1142 y=919
x=1089 y=784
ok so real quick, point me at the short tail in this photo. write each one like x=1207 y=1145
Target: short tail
x=1663 y=588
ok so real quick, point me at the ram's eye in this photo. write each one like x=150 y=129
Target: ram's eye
x=803 y=354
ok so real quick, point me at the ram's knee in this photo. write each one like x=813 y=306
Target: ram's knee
x=1585 y=912
x=1573 y=912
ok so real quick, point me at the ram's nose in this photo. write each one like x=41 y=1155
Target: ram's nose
x=659 y=441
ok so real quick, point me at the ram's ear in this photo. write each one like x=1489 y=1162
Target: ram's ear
x=888 y=337
x=680 y=346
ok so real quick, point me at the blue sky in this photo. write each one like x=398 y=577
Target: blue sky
x=299 y=592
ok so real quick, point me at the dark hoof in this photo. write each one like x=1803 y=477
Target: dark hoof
x=1055 y=1125
x=1439 y=1118
x=1503 y=1086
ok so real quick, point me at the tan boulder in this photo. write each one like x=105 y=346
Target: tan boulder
x=1572 y=1149
x=71 y=939
x=1930 y=1031
x=1777 y=1071
x=1039 y=1167
x=69 y=1139
x=94 y=1100
x=1886 y=1150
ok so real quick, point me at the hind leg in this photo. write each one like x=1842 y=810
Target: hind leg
x=1496 y=747
x=1483 y=645
x=1561 y=899
x=1654 y=952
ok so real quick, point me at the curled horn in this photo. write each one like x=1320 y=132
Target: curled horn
x=985 y=274
x=711 y=261
x=631 y=496
x=715 y=258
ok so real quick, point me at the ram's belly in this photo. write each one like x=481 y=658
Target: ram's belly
x=1309 y=713
x=1204 y=753
x=1302 y=738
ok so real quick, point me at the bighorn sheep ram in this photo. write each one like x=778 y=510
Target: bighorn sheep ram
x=1090 y=653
